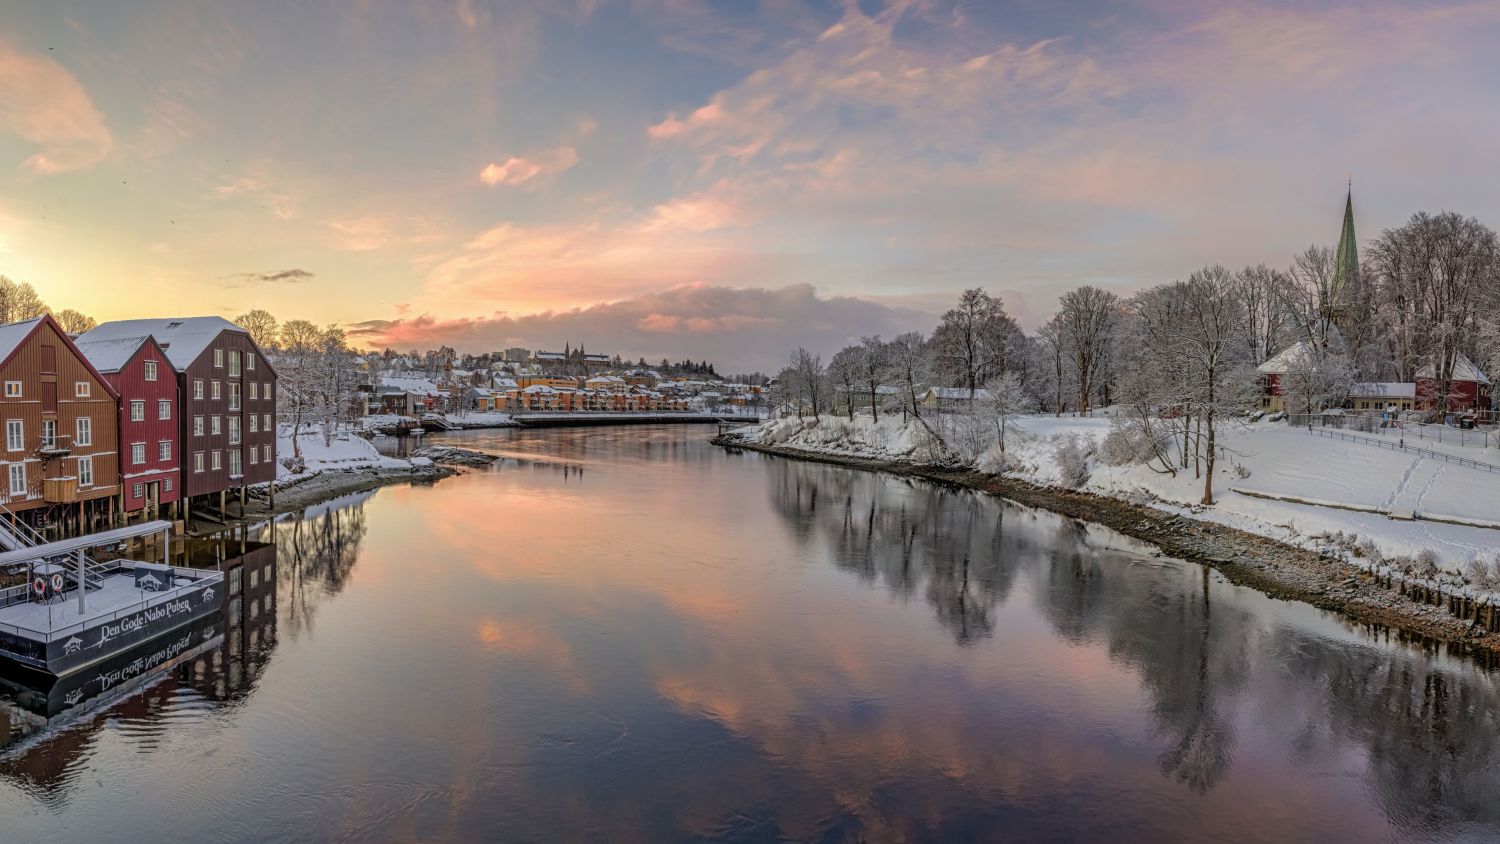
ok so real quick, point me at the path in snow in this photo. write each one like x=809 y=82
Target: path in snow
x=1413 y=488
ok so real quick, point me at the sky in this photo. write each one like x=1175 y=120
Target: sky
x=716 y=179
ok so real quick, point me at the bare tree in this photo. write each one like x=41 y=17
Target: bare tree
x=261 y=326
x=1264 y=292
x=908 y=371
x=1086 y=321
x=1218 y=377
x=872 y=366
x=975 y=341
x=18 y=301
x=844 y=371
x=810 y=378
x=75 y=322
x=1005 y=399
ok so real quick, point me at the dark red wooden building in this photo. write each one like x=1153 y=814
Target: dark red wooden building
x=150 y=437
x=227 y=402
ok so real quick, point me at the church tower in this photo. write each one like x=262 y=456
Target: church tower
x=1343 y=292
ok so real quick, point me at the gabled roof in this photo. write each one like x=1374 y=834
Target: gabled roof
x=1463 y=370
x=111 y=355
x=14 y=334
x=953 y=393
x=1284 y=360
x=182 y=339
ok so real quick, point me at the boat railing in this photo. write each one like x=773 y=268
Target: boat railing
x=201 y=577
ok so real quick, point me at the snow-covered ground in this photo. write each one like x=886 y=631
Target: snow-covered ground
x=346 y=452
x=1274 y=480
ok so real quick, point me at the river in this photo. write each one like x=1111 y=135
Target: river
x=628 y=634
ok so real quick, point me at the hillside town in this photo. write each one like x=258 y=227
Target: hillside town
x=521 y=380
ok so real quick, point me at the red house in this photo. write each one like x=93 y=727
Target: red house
x=1468 y=389
x=150 y=441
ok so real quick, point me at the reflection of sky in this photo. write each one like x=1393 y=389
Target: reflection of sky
x=728 y=646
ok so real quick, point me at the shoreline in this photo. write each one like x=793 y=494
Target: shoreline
x=1274 y=568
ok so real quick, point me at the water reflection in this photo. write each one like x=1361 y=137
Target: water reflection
x=1423 y=729
x=630 y=635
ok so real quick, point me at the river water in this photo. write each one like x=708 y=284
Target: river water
x=628 y=634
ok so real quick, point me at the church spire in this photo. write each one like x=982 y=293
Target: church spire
x=1342 y=292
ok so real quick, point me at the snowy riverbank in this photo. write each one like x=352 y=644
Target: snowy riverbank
x=1357 y=560
x=349 y=463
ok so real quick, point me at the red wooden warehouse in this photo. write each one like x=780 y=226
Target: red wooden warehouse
x=150 y=439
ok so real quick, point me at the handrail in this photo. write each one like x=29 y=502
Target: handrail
x=1402 y=446
x=48 y=635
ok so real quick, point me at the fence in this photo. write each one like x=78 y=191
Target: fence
x=1400 y=445
x=1375 y=423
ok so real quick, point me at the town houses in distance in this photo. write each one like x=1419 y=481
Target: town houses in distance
x=519 y=380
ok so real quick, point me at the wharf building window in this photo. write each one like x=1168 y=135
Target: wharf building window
x=197 y=461
x=163 y=409
x=234 y=363
x=218 y=392
x=85 y=471
x=235 y=469
x=137 y=411
x=49 y=433
x=234 y=430
x=198 y=388
x=81 y=389
x=218 y=460
x=148 y=370
x=254 y=390
x=167 y=485
x=17 y=479
x=12 y=389
x=137 y=453
x=197 y=426
x=254 y=424
x=218 y=358
x=83 y=431
x=137 y=490
x=249 y=360
x=15 y=435
x=234 y=395
x=164 y=450
x=215 y=425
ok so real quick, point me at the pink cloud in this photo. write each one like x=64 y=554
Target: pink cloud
x=740 y=328
x=519 y=171
x=44 y=104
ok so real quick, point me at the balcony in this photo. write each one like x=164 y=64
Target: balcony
x=60 y=490
x=54 y=446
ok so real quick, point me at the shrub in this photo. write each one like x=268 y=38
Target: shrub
x=1072 y=454
x=1427 y=562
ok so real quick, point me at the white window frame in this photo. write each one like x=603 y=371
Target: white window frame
x=197 y=461
x=254 y=452
x=86 y=471
x=266 y=455
x=15 y=435
x=234 y=363
x=13 y=390
x=163 y=449
x=137 y=410
x=216 y=460
x=216 y=390
x=254 y=390
x=266 y=422
x=149 y=370
x=82 y=390
x=234 y=395
x=215 y=425
x=234 y=430
x=163 y=409
x=137 y=490
x=249 y=360
x=15 y=476
x=166 y=485
x=198 y=388
x=137 y=454
x=218 y=358
x=197 y=426
x=236 y=463
x=254 y=422
x=49 y=440
x=83 y=431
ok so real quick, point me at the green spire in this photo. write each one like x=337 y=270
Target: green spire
x=1345 y=261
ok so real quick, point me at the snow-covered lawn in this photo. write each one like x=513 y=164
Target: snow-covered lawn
x=1321 y=485
x=346 y=452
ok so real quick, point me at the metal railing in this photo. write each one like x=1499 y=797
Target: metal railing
x=1401 y=445
x=208 y=577
x=1480 y=437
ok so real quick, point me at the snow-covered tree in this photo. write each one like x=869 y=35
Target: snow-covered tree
x=1086 y=320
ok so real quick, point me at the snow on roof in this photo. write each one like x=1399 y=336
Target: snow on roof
x=1283 y=361
x=110 y=355
x=412 y=384
x=182 y=338
x=1384 y=389
x=14 y=334
x=1463 y=370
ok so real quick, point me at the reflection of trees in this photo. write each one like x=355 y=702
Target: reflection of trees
x=907 y=536
x=315 y=555
x=1427 y=731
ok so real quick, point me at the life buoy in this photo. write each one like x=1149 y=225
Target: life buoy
x=39 y=585
x=57 y=583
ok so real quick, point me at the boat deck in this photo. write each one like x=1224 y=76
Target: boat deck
x=116 y=593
